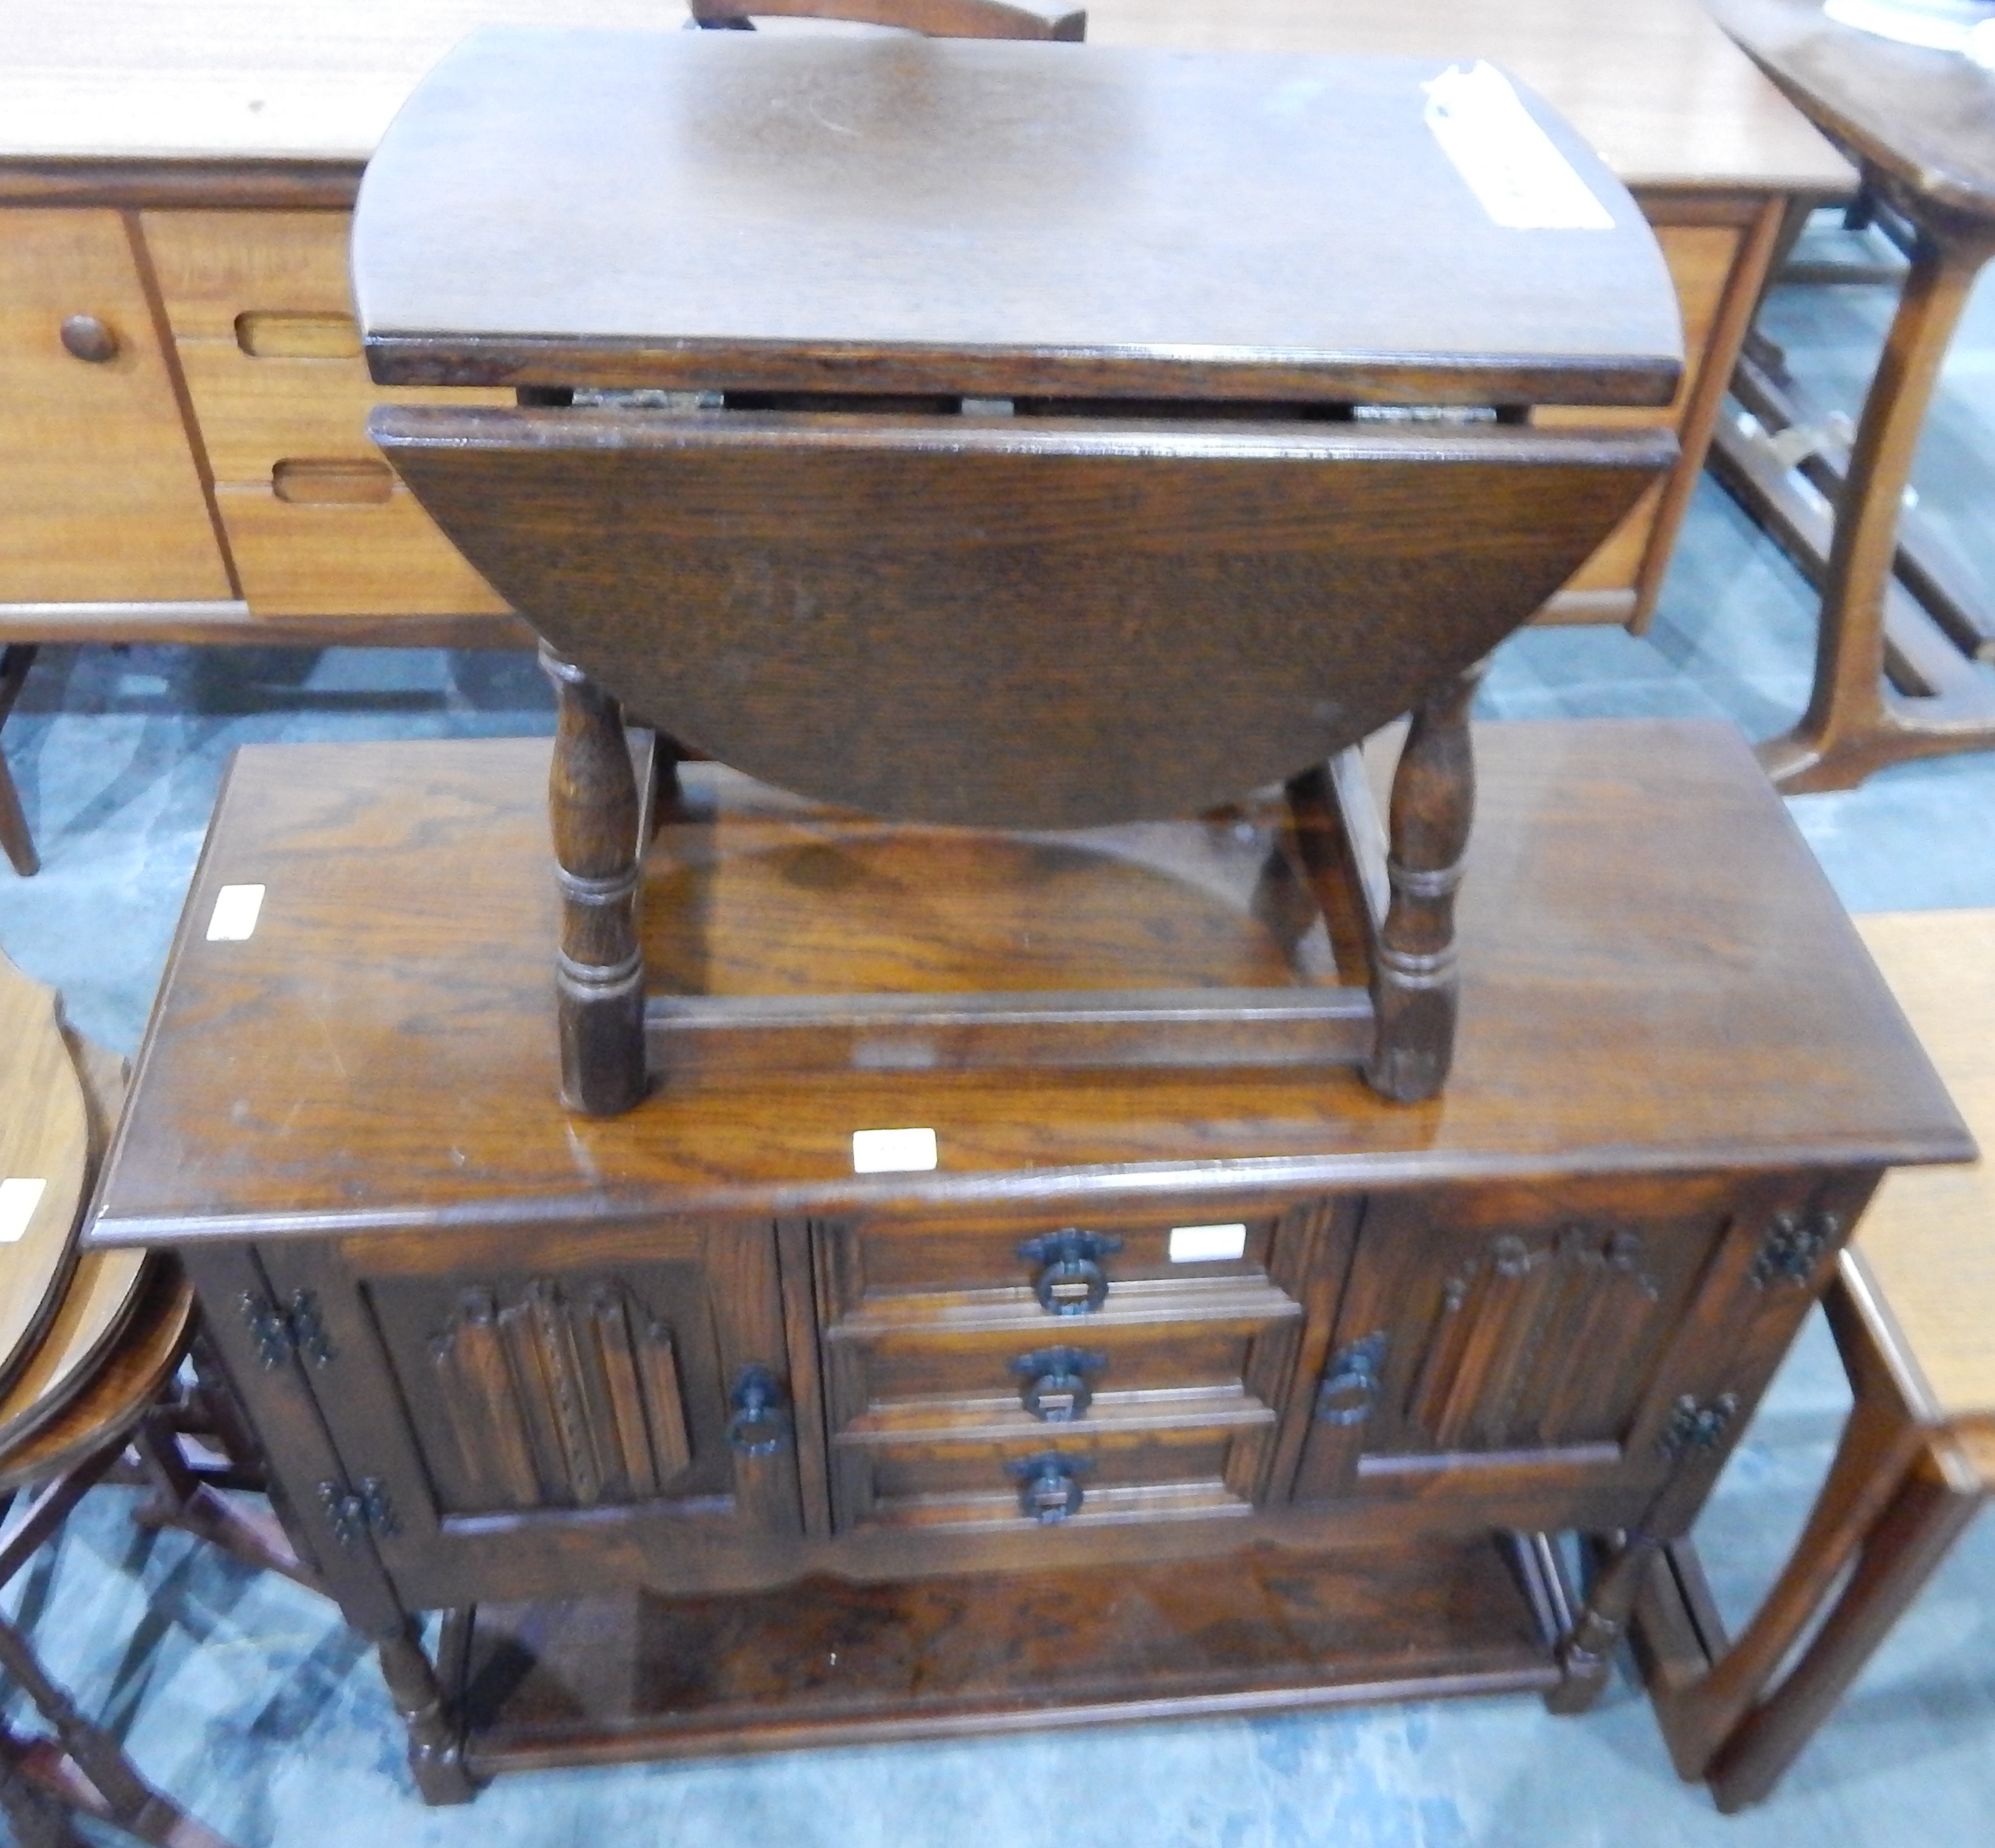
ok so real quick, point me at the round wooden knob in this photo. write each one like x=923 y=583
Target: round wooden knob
x=88 y=339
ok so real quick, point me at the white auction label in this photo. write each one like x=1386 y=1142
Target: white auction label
x=892 y=1151
x=1521 y=180
x=18 y=1198
x=1207 y=1244
x=234 y=918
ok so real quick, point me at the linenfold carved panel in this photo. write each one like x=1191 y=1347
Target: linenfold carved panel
x=558 y=1394
x=1535 y=1341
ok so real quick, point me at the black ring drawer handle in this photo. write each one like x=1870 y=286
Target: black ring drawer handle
x=1049 y=1490
x=760 y=1424
x=1057 y=1389
x=1071 y=1281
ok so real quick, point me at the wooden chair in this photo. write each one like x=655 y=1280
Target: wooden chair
x=98 y=1395
x=16 y=659
x=1912 y=1311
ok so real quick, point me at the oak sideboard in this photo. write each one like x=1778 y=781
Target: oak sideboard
x=184 y=456
x=1161 y=1393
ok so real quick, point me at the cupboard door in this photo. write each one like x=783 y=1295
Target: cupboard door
x=638 y=1378
x=100 y=499
x=1517 y=1339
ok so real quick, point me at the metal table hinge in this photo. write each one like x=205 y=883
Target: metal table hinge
x=1793 y=1246
x=1695 y=1426
x=284 y=1333
x=352 y=1514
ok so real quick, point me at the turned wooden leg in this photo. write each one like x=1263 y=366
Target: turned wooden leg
x=1849 y=729
x=600 y=973
x=1586 y=1657
x=436 y=1752
x=1414 y=981
x=15 y=840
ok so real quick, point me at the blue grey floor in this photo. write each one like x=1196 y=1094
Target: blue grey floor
x=249 y=1701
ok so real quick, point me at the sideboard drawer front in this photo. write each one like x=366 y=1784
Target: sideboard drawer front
x=1191 y=1474
x=913 y=1269
x=925 y=1373
x=262 y=321
x=334 y=558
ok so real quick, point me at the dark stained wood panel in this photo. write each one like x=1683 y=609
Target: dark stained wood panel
x=636 y=1674
x=1652 y=963
x=1015 y=622
x=898 y=214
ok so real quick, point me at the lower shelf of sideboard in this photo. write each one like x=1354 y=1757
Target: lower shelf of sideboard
x=634 y=1674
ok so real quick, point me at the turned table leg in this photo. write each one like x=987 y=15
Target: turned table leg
x=1850 y=728
x=1415 y=982
x=593 y=806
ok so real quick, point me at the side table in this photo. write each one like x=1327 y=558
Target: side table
x=1922 y=125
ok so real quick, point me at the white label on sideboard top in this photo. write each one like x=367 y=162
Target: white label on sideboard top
x=1521 y=179
x=892 y=1151
x=18 y=1198
x=234 y=918
x=1207 y=1244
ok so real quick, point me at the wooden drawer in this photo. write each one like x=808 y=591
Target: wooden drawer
x=263 y=321
x=1163 y=1357
x=100 y=499
x=1196 y=1471
x=903 y=1271
x=345 y=556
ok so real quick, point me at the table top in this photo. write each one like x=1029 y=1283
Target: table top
x=292 y=96
x=1925 y=119
x=694 y=207
x=1929 y=1241
x=379 y=1055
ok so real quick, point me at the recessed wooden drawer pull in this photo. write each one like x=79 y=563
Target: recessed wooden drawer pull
x=1057 y=1388
x=269 y=334
x=1049 y=1489
x=86 y=338
x=337 y=482
x=1071 y=1281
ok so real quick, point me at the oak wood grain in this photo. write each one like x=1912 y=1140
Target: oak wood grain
x=650 y=206
x=417 y=873
x=99 y=496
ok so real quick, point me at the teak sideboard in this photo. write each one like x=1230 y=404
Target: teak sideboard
x=185 y=456
x=1162 y=1394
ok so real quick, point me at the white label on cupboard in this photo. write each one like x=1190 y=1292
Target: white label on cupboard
x=892 y=1151
x=1207 y=1244
x=234 y=918
x=18 y=1198
x=1521 y=179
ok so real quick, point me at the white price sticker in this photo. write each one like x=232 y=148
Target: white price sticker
x=234 y=918
x=1207 y=1244
x=892 y=1151
x=1521 y=180
x=18 y=1198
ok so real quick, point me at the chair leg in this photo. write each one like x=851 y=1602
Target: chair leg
x=181 y=1500
x=1935 y=1502
x=15 y=839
